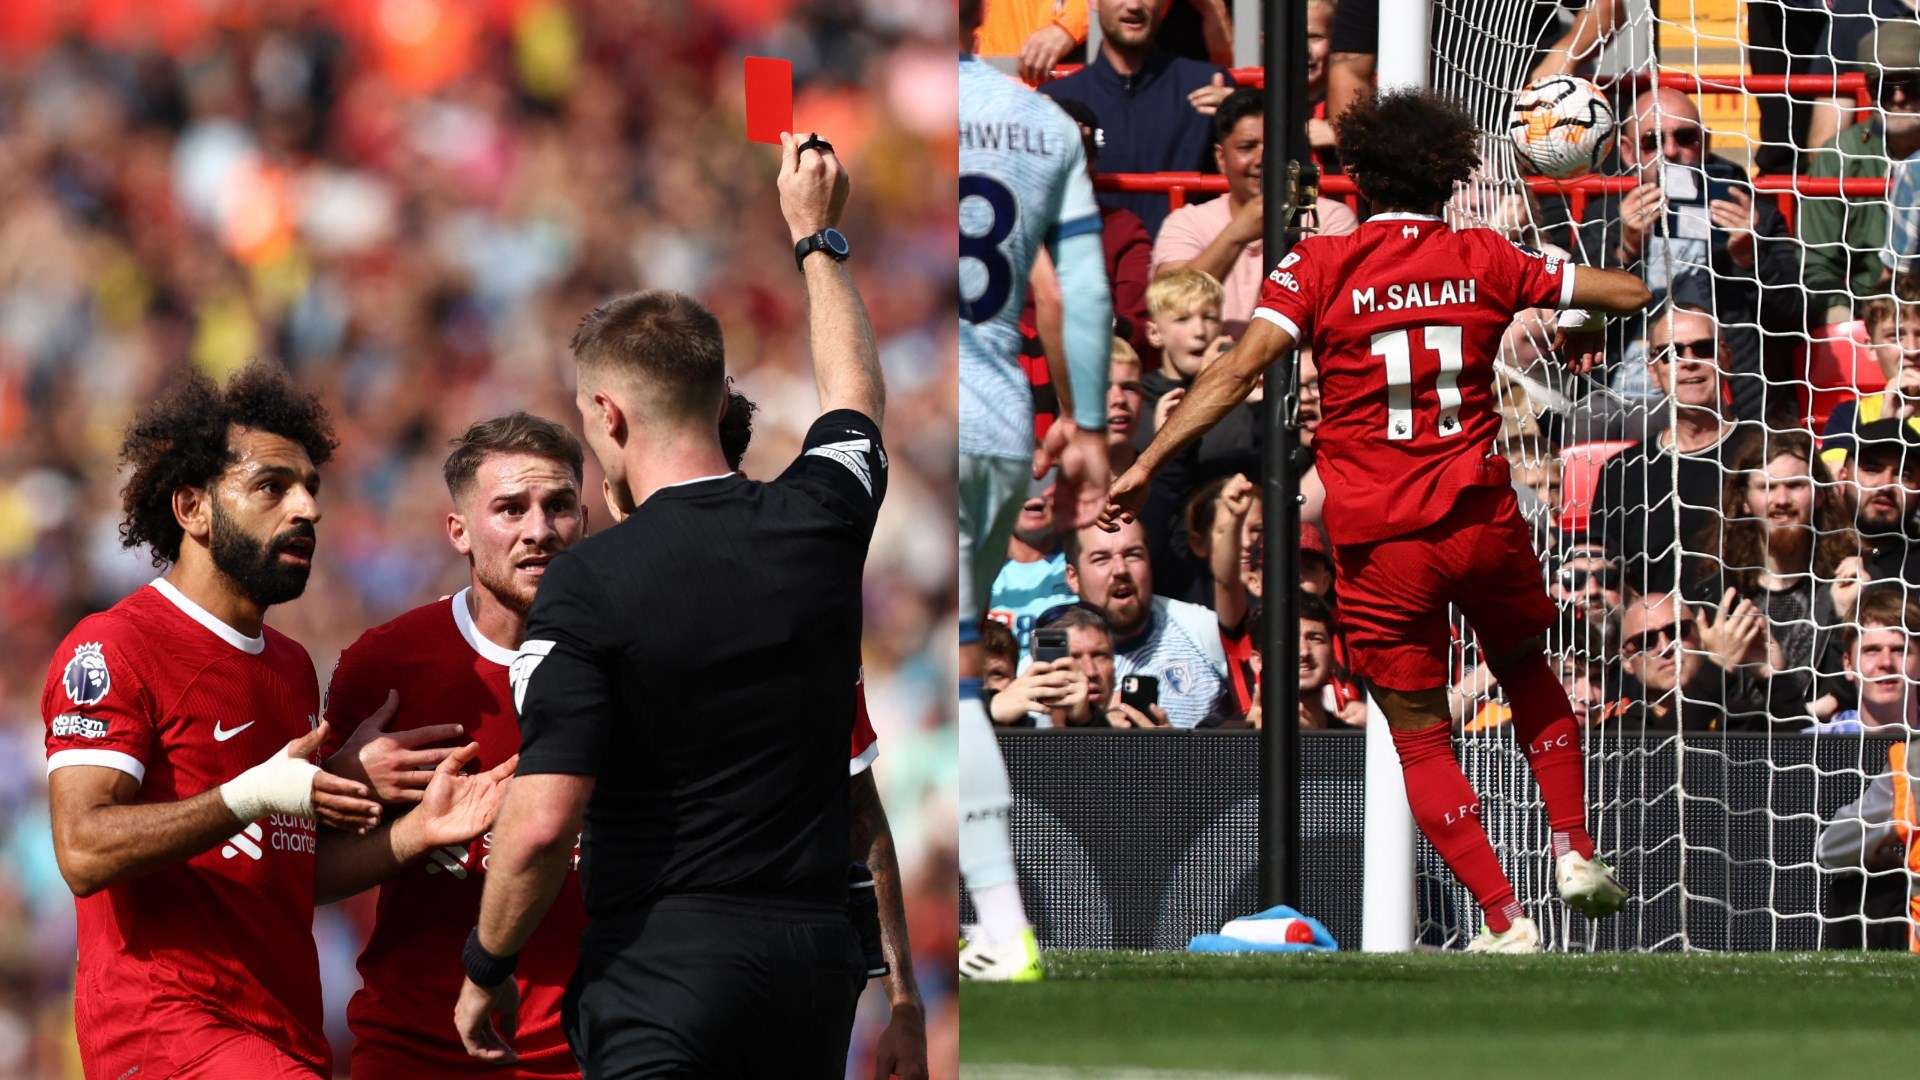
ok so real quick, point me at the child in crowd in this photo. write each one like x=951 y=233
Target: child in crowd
x=1183 y=323
x=1893 y=336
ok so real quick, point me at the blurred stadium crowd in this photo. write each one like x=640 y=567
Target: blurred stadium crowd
x=410 y=203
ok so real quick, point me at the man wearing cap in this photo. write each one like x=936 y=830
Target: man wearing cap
x=1844 y=238
x=1880 y=479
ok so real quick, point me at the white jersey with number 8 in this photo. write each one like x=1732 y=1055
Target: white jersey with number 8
x=1023 y=182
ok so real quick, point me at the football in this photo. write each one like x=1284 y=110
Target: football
x=1560 y=126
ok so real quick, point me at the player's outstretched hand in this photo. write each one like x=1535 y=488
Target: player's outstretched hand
x=458 y=806
x=338 y=803
x=1080 y=490
x=902 y=1048
x=813 y=186
x=1125 y=498
x=393 y=763
x=486 y=1020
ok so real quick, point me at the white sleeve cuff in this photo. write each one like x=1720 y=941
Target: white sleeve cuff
x=1566 y=284
x=858 y=765
x=1280 y=321
x=112 y=759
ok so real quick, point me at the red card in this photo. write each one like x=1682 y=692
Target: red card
x=769 y=98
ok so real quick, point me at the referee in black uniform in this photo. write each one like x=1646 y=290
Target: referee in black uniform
x=686 y=689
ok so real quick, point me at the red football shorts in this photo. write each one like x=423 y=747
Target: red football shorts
x=1393 y=594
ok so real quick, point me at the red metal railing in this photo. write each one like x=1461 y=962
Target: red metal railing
x=1852 y=83
x=1784 y=187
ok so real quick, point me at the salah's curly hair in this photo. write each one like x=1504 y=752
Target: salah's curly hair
x=180 y=440
x=1407 y=149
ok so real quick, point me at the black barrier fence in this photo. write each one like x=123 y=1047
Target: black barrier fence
x=1140 y=840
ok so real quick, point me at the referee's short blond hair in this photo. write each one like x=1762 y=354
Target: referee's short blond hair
x=667 y=340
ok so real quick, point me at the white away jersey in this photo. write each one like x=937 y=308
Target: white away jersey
x=1023 y=182
x=1182 y=649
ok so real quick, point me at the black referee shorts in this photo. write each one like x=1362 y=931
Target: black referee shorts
x=690 y=988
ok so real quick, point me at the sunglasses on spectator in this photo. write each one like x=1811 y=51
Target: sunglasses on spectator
x=1648 y=640
x=1686 y=137
x=1575 y=578
x=1702 y=349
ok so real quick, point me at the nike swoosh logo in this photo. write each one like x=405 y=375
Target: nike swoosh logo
x=223 y=736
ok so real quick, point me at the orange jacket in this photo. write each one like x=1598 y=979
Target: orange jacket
x=1008 y=23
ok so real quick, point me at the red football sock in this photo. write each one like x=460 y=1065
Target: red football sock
x=1543 y=722
x=1448 y=813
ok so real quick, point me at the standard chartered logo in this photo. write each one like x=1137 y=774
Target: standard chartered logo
x=289 y=834
x=456 y=859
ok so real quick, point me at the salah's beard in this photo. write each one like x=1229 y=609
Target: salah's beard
x=254 y=566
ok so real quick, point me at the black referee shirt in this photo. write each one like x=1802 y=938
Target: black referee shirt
x=700 y=659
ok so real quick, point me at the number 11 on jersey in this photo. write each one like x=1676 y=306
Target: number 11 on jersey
x=1395 y=347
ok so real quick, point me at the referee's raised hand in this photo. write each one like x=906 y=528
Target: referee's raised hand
x=813 y=184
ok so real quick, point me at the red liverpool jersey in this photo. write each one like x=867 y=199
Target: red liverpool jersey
x=219 y=947
x=402 y=1016
x=1405 y=317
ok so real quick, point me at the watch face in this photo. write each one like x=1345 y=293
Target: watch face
x=835 y=242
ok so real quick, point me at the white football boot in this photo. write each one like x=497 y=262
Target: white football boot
x=1588 y=885
x=1521 y=937
x=1017 y=960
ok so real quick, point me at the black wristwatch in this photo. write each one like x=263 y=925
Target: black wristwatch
x=485 y=969
x=830 y=241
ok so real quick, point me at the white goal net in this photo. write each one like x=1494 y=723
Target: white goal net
x=1736 y=451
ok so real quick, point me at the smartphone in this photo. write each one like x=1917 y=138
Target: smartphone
x=1049 y=645
x=1139 y=691
x=1719 y=190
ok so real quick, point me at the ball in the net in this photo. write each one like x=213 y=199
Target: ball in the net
x=1560 y=126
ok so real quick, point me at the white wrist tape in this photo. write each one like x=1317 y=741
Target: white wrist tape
x=278 y=785
x=1574 y=321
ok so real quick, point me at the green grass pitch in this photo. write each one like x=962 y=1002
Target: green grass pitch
x=1156 y=1016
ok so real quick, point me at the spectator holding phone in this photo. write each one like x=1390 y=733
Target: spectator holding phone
x=1176 y=643
x=1034 y=577
x=1089 y=652
x=1693 y=229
